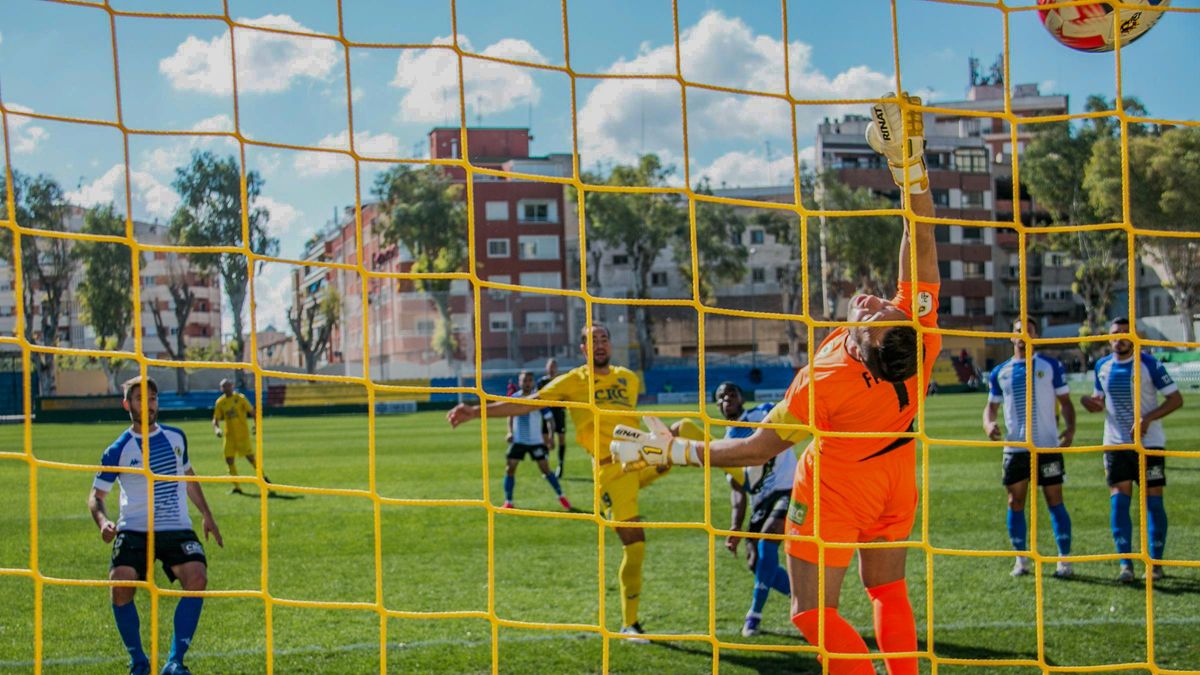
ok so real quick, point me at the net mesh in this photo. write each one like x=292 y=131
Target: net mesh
x=805 y=213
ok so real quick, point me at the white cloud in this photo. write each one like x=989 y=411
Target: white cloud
x=357 y=93
x=430 y=78
x=150 y=197
x=24 y=134
x=220 y=122
x=273 y=297
x=267 y=62
x=286 y=222
x=621 y=118
x=365 y=143
x=740 y=169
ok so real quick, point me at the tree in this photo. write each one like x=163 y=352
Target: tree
x=719 y=258
x=785 y=228
x=210 y=214
x=1164 y=194
x=423 y=211
x=104 y=290
x=641 y=224
x=862 y=248
x=47 y=264
x=178 y=281
x=313 y=325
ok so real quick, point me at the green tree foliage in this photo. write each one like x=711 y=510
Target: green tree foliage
x=313 y=325
x=179 y=284
x=104 y=291
x=862 y=248
x=424 y=211
x=47 y=264
x=210 y=214
x=719 y=258
x=641 y=224
x=1164 y=194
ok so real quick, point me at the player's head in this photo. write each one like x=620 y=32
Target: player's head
x=226 y=386
x=1017 y=341
x=1121 y=346
x=132 y=400
x=729 y=400
x=889 y=352
x=552 y=368
x=525 y=379
x=601 y=347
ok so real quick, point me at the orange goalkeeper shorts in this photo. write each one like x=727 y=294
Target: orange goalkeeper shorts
x=872 y=500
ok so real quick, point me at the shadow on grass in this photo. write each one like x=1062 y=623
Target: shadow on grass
x=767 y=663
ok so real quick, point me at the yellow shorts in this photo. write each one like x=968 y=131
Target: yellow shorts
x=239 y=447
x=619 y=492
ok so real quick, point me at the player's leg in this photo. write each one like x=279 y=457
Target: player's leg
x=1050 y=477
x=1120 y=468
x=1156 y=513
x=768 y=573
x=254 y=465
x=619 y=492
x=562 y=448
x=183 y=559
x=129 y=564
x=231 y=466
x=808 y=616
x=882 y=573
x=1016 y=484
x=515 y=454
x=544 y=465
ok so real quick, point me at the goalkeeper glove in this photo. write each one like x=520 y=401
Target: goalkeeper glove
x=635 y=448
x=890 y=127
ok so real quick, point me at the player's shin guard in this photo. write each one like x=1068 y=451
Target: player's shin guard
x=129 y=627
x=840 y=638
x=1060 y=522
x=895 y=628
x=1156 y=525
x=631 y=581
x=1122 y=526
x=187 y=617
x=1016 y=530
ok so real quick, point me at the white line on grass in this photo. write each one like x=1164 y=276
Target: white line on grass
x=556 y=635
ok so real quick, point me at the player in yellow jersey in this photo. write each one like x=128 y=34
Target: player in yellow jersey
x=235 y=409
x=616 y=390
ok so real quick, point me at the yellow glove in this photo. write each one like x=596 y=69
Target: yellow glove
x=891 y=125
x=635 y=448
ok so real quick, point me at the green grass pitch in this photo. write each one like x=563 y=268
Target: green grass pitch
x=546 y=570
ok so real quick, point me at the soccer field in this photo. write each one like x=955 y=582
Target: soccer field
x=322 y=548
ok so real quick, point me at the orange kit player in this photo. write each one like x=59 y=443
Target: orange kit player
x=862 y=379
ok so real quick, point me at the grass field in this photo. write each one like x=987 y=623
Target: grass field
x=322 y=548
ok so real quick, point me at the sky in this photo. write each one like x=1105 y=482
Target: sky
x=175 y=74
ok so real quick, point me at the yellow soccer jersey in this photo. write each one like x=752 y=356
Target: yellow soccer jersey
x=616 y=397
x=233 y=410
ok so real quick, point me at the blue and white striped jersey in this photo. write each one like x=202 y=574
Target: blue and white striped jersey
x=527 y=428
x=1008 y=387
x=1114 y=382
x=778 y=472
x=168 y=457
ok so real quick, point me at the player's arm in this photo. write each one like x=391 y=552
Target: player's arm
x=1172 y=402
x=898 y=133
x=1094 y=402
x=196 y=494
x=216 y=424
x=464 y=412
x=991 y=423
x=1067 y=436
x=108 y=529
x=737 y=514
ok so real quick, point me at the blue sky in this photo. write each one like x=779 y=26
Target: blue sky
x=57 y=59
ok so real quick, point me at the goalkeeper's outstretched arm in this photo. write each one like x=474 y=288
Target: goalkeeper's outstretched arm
x=464 y=412
x=659 y=447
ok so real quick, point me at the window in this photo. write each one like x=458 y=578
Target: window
x=941 y=197
x=541 y=279
x=758 y=275
x=425 y=327
x=944 y=268
x=658 y=278
x=540 y=247
x=972 y=200
x=735 y=238
x=497 y=248
x=500 y=278
x=972 y=270
x=541 y=322
x=757 y=236
x=620 y=259
x=537 y=211
x=971 y=160
x=972 y=233
x=496 y=210
x=500 y=322
x=941 y=234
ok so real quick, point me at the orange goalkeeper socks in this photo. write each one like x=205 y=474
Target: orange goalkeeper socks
x=895 y=629
x=840 y=638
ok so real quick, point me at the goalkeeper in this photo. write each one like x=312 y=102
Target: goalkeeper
x=863 y=378
x=616 y=390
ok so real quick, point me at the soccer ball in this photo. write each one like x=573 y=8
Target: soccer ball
x=1089 y=28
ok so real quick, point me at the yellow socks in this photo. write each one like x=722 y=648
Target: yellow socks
x=631 y=581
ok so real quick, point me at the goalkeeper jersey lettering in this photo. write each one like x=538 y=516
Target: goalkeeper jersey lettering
x=168 y=457
x=616 y=397
x=848 y=398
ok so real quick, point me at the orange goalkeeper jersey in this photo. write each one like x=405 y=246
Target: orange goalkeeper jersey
x=848 y=398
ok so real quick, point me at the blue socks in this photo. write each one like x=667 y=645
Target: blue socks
x=509 y=483
x=1060 y=522
x=187 y=615
x=553 y=480
x=1016 y=530
x=1156 y=525
x=1122 y=527
x=767 y=574
x=127 y=625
